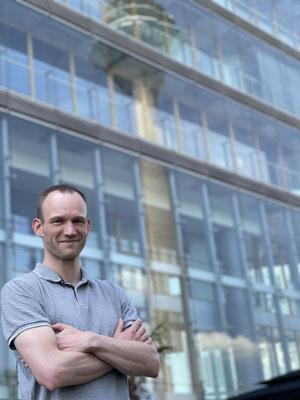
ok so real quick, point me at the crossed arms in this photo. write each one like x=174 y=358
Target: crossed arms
x=73 y=357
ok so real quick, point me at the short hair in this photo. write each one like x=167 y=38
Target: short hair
x=61 y=188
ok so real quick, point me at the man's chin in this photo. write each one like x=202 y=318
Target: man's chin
x=69 y=256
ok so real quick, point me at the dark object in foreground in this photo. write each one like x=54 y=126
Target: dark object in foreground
x=283 y=387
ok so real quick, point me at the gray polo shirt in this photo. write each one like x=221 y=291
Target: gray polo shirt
x=41 y=297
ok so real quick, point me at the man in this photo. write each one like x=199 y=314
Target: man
x=74 y=337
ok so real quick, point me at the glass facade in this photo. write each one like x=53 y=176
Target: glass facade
x=188 y=33
x=270 y=16
x=212 y=264
x=94 y=80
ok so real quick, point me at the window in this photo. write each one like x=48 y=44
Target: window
x=14 y=70
x=52 y=74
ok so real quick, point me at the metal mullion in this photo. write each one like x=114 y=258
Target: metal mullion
x=250 y=292
x=54 y=164
x=98 y=176
x=292 y=249
x=213 y=257
x=8 y=218
x=138 y=193
x=184 y=279
x=31 y=64
x=277 y=294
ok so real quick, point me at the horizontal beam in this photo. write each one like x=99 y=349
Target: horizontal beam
x=29 y=108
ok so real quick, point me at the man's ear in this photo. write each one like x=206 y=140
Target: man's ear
x=88 y=221
x=37 y=227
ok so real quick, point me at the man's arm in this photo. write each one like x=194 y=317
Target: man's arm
x=52 y=367
x=130 y=351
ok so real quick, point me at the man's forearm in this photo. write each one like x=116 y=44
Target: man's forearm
x=129 y=357
x=130 y=351
x=75 y=368
x=52 y=367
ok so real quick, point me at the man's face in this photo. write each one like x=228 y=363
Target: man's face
x=65 y=227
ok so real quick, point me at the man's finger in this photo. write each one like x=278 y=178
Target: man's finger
x=141 y=332
x=119 y=327
x=59 y=327
x=136 y=325
x=144 y=337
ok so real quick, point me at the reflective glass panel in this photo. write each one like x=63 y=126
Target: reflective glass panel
x=14 y=70
x=52 y=74
x=282 y=257
x=93 y=268
x=160 y=226
x=120 y=202
x=77 y=167
x=253 y=237
x=175 y=370
x=241 y=330
x=30 y=169
x=224 y=230
x=92 y=93
x=192 y=222
x=220 y=142
x=25 y=259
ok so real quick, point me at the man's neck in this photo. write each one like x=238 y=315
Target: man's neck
x=68 y=270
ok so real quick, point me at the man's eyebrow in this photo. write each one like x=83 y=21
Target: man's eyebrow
x=56 y=217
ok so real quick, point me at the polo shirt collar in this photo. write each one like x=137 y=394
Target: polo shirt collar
x=48 y=274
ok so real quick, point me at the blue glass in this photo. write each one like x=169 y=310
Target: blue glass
x=124 y=104
x=225 y=232
x=120 y=202
x=254 y=246
x=30 y=167
x=220 y=144
x=164 y=120
x=14 y=71
x=232 y=67
x=285 y=21
x=269 y=154
x=52 y=75
x=208 y=60
x=193 y=141
x=25 y=259
x=245 y=9
x=92 y=91
x=76 y=166
x=241 y=122
x=281 y=251
x=89 y=7
x=192 y=222
x=295 y=218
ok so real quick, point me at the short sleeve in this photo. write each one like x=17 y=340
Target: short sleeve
x=21 y=309
x=128 y=311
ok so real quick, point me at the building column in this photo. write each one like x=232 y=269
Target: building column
x=184 y=280
x=292 y=250
x=269 y=254
x=101 y=213
x=250 y=290
x=54 y=169
x=8 y=248
x=213 y=257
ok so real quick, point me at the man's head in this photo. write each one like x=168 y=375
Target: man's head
x=62 y=222
x=61 y=188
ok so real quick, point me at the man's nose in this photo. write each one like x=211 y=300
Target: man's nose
x=69 y=229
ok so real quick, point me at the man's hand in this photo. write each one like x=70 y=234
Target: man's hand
x=137 y=331
x=130 y=350
x=70 y=338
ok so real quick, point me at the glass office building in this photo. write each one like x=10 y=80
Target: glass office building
x=180 y=121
